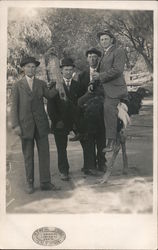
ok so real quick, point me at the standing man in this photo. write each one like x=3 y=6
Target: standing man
x=111 y=76
x=30 y=122
x=92 y=104
x=64 y=114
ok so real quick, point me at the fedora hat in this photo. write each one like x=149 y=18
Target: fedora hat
x=93 y=51
x=106 y=32
x=27 y=60
x=66 y=62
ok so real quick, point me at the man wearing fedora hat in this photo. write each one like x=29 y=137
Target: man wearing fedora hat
x=30 y=122
x=63 y=114
x=92 y=104
x=111 y=76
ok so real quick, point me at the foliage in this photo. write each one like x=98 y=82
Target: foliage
x=72 y=31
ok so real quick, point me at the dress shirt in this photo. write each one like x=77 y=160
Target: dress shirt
x=30 y=81
x=67 y=82
x=92 y=70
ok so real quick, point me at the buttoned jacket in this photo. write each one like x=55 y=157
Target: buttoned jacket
x=28 y=108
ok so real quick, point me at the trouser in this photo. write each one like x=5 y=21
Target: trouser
x=43 y=155
x=100 y=144
x=61 y=139
x=89 y=155
x=110 y=116
x=92 y=150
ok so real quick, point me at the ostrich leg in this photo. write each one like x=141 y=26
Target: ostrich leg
x=111 y=162
x=124 y=154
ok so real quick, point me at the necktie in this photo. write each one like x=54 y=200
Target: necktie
x=68 y=84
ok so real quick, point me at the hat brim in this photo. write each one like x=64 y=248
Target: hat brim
x=98 y=53
x=65 y=65
x=37 y=63
x=99 y=34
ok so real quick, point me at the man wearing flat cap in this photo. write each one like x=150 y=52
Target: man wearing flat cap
x=92 y=104
x=30 y=122
x=111 y=76
x=63 y=113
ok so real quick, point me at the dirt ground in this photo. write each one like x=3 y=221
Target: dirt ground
x=130 y=193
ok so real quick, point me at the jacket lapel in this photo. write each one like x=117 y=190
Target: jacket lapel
x=104 y=55
x=25 y=85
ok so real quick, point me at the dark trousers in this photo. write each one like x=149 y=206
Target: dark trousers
x=92 y=151
x=43 y=155
x=61 y=139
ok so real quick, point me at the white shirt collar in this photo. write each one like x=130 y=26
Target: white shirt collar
x=106 y=50
x=66 y=80
x=29 y=78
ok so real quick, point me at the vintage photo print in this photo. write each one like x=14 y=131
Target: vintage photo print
x=78 y=112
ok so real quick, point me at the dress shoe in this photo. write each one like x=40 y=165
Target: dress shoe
x=49 y=186
x=64 y=177
x=110 y=146
x=29 y=188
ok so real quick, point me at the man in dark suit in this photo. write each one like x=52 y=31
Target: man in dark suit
x=64 y=115
x=111 y=76
x=92 y=103
x=30 y=122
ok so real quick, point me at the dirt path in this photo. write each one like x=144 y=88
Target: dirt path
x=131 y=193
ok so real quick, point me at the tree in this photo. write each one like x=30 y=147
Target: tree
x=137 y=28
x=26 y=38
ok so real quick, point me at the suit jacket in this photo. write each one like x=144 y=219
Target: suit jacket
x=28 y=107
x=84 y=79
x=111 y=72
x=92 y=104
x=65 y=111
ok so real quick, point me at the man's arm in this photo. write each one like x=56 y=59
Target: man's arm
x=15 y=110
x=15 y=106
x=82 y=85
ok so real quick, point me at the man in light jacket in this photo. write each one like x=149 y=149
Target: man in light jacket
x=111 y=76
x=30 y=122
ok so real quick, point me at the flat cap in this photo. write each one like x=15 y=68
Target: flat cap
x=93 y=51
x=106 y=32
x=27 y=60
x=67 y=61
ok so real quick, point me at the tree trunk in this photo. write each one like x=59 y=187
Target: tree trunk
x=148 y=62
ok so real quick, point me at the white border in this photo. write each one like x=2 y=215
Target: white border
x=88 y=231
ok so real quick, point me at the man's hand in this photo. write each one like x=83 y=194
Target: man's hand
x=51 y=85
x=17 y=131
x=90 y=88
x=95 y=76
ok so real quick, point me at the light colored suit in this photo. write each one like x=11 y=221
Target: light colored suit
x=111 y=76
x=111 y=72
x=28 y=107
x=29 y=114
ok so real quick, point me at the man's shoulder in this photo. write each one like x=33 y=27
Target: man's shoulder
x=18 y=82
x=84 y=73
x=74 y=82
x=40 y=81
x=119 y=50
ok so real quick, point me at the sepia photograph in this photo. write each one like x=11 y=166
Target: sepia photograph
x=81 y=106
x=97 y=147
